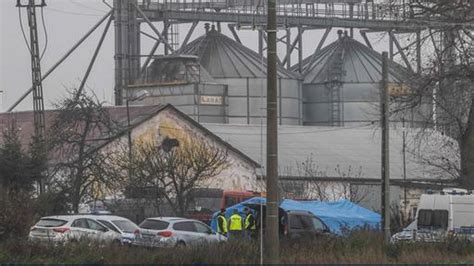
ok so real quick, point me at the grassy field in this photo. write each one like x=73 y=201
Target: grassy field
x=360 y=247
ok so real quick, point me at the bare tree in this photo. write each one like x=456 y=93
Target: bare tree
x=312 y=187
x=81 y=125
x=447 y=80
x=174 y=168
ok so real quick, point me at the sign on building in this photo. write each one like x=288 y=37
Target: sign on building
x=211 y=100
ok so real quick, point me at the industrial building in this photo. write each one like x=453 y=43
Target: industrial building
x=325 y=102
x=341 y=86
x=232 y=83
x=215 y=79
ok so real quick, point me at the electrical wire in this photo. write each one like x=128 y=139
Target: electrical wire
x=23 y=30
x=74 y=13
x=45 y=34
x=86 y=6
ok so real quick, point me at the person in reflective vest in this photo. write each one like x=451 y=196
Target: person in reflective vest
x=222 y=223
x=235 y=225
x=250 y=224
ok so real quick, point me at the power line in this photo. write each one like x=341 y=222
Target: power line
x=23 y=30
x=86 y=6
x=73 y=13
x=45 y=34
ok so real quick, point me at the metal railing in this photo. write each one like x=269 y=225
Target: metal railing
x=347 y=9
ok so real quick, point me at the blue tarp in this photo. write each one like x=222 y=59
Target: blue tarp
x=338 y=215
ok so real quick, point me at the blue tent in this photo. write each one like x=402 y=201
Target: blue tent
x=338 y=215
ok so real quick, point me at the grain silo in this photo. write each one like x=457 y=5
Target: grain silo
x=341 y=86
x=181 y=81
x=244 y=72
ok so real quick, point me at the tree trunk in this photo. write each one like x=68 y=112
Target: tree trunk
x=75 y=205
x=467 y=151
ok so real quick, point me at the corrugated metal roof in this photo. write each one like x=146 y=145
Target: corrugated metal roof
x=226 y=58
x=331 y=148
x=358 y=64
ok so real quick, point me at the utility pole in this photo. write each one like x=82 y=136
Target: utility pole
x=404 y=167
x=271 y=241
x=384 y=106
x=38 y=104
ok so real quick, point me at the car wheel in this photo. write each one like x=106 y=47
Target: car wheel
x=180 y=244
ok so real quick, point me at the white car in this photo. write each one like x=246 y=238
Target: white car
x=123 y=226
x=406 y=235
x=174 y=231
x=65 y=228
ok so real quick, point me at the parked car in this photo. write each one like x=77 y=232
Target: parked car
x=406 y=235
x=66 y=228
x=174 y=231
x=123 y=226
x=293 y=224
x=448 y=214
x=303 y=224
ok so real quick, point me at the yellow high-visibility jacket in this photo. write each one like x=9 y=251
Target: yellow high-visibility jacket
x=250 y=223
x=221 y=224
x=235 y=222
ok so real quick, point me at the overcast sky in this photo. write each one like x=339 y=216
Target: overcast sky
x=66 y=21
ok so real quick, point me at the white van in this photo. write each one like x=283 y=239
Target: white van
x=440 y=215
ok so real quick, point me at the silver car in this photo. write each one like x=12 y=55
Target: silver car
x=65 y=228
x=174 y=231
x=123 y=226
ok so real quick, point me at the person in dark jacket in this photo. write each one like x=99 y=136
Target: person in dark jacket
x=250 y=224
x=222 y=223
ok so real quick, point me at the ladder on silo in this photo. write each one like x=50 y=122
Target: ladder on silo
x=173 y=36
x=336 y=73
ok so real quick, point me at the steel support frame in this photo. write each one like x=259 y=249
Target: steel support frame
x=189 y=34
x=127 y=46
x=291 y=48
x=234 y=33
x=318 y=48
x=402 y=53
x=147 y=20
x=390 y=44
x=152 y=52
x=363 y=33
x=300 y=49
x=94 y=56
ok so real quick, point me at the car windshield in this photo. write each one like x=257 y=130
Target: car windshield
x=125 y=226
x=51 y=222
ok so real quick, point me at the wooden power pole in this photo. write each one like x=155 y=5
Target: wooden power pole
x=271 y=241
x=384 y=108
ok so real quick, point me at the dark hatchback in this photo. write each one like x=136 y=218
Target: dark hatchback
x=302 y=224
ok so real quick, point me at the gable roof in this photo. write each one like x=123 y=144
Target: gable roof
x=138 y=115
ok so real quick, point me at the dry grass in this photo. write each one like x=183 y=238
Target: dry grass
x=360 y=247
